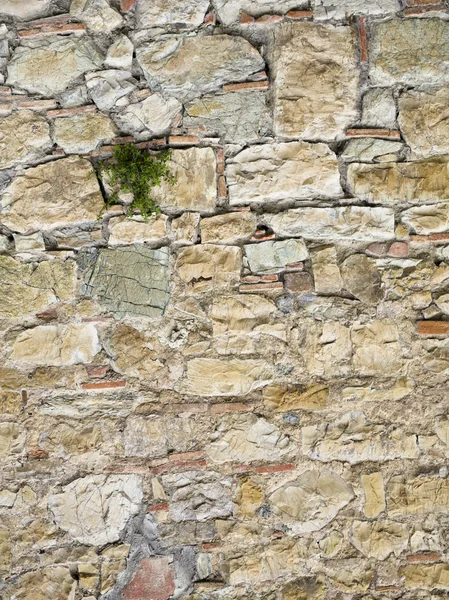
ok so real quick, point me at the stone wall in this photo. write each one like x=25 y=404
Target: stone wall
x=245 y=397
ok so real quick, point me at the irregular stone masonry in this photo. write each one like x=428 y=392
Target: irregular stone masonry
x=244 y=396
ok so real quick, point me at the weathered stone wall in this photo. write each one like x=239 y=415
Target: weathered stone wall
x=247 y=395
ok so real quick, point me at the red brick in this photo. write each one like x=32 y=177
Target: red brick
x=422 y=10
x=299 y=266
x=222 y=189
x=194 y=407
x=5 y=90
x=48 y=315
x=127 y=5
x=186 y=456
x=188 y=464
x=153 y=580
x=183 y=140
x=425 y=557
x=220 y=161
x=275 y=468
x=433 y=327
x=58 y=152
x=37 y=454
x=97 y=372
x=261 y=287
x=245 y=19
x=30 y=104
x=269 y=19
x=158 y=507
x=209 y=19
x=377 y=249
x=398 y=249
x=363 y=39
x=391 y=134
x=298 y=282
x=247 y=85
x=104 y=385
x=227 y=407
x=243 y=208
x=68 y=112
x=127 y=139
x=439 y=237
x=54 y=28
x=260 y=278
x=261 y=235
x=300 y=14
x=210 y=545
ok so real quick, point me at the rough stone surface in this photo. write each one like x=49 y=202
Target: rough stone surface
x=372 y=150
x=229 y=11
x=315 y=80
x=379 y=540
x=275 y=255
x=126 y=231
x=208 y=267
x=24 y=137
x=330 y=9
x=120 y=54
x=361 y=278
x=72 y=186
x=97 y=15
x=163 y=13
x=229 y=228
x=153 y=115
x=48 y=66
x=81 y=134
x=24 y=11
x=275 y=172
x=379 y=108
x=108 y=87
x=326 y=273
x=189 y=67
x=427 y=219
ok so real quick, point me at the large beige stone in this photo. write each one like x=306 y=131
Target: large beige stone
x=82 y=133
x=361 y=278
x=48 y=65
x=242 y=313
x=26 y=288
x=359 y=223
x=380 y=539
x=430 y=218
x=354 y=439
x=413 y=52
x=275 y=256
x=281 y=398
x=57 y=345
x=229 y=228
x=191 y=66
x=97 y=15
x=24 y=11
x=132 y=354
x=153 y=438
x=372 y=150
x=196 y=181
x=432 y=577
x=315 y=80
x=207 y=267
x=246 y=438
x=165 y=13
x=5 y=549
x=311 y=501
x=326 y=273
x=419 y=495
x=12 y=440
x=373 y=488
x=134 y=231
x=350 y=575
x=55 y=194
x=386 y=183
x=273 y=172
x=423 y=122
x=211 y=377
x=154 y=115
x=229 y=11
x=24 y=137
x=328 y=350
x=95 y=509
x=53 y=581
x=377 y=348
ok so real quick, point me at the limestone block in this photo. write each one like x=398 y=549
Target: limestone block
x=229 y=228
x=419 y=495
x=165 y=13
x=153 y=438
x=95 y=509
x=372 y=150
x=283 y=399
x=379 y=539
x=326 y=273
x=71 y=185
x=12 y=440
x=273 y=172
x=377 y=348
x=270 y=255
x=120 y=54
x=434 y=577
x=192 y=66
x=185 y=228
x=373 y=488
x=131 y=352
x=361 y=278
x=137 y=231
x=315 y=80
x=342 y=9
x=427 y=219
x=25 y=11
x=107 y=87
x=83 y=133
x=24 y=137
x=207 y=267
x=97 y=15
x=229 y=11
x=155 y=115
x=378 y=108
x=48 y=65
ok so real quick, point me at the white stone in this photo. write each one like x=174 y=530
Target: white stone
x=379 y=540
x=107 y=87
x=95 y=509
x=154 y=115
x=120 y=54
x=270 y=255
x=29 y=243
x=342 y=9
x=167 y=13
x=229 y=11
x=97 y=15
x=25 y=10
x=371 y=149
x=379 y=108
x=273 y=172
x=133 y=231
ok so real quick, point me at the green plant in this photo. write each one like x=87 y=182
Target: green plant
x=137 y=171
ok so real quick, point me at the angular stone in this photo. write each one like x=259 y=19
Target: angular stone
x=372 y=150
x=373 y=488
x=433 y=577
x=422 y=121
x=315 y=80
x=354 y=439
x=187 y=14
x=243 y=313
x=28 y=288
x=153 y=579
x=379 y=539
x=55 y=194
x=270 y=255
x=229 y=228
x=413 y=52
x=120 y=54
x=207 y=267
x=10 y=403
x=326 y=273
x=198 y=495
x=246 y=438
x=230 y=11
x=131 y=353
x=107 y=87
x=24 y=137
x=192 y=66
x=293 y=170
x=96 y=509
x=362 y=279
x=134 y=231
x=420 y=495
x=211 y=377
x=330 y=9
x=379 y=108
x=250 y=497
x=48 y=66
x=25 y=11
x=57 y=345
x=185 y=228
x=12 y=440
x=55 y=581
x=350 y=575
x=420 y=182
x=285 y=399
x=154 y=438
x=235 y=116
x=311 y=501
x=29 y=243
x=359 y=223
x=377 y=348
x=427 y=219
x=97 y=15
x=155 y=115
x=327 y=351
x=129 y=280
x=196 y=181
x=83 y=133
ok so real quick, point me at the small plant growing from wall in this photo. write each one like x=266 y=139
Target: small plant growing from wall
x=137 y=171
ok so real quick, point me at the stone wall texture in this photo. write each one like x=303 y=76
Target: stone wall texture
x=245 y=397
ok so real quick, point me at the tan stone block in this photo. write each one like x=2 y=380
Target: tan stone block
x=83 y=133
x=250 y=497
x=418 y=495
x=137 y=231
x=326 y=273
x=229 y=228
x=380 y=539
x=373 y=488
x=427 y=576
x=285 y=399
x=24 y=137
x=208 y=267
